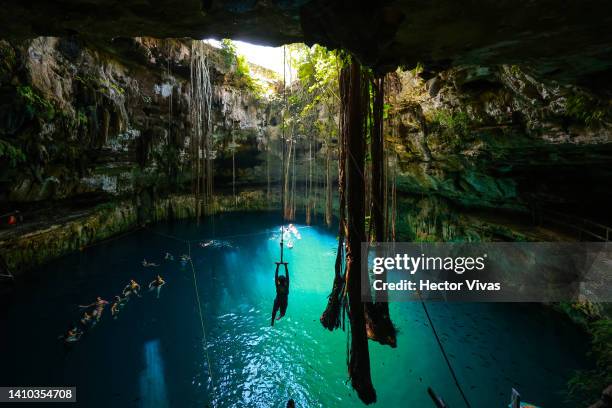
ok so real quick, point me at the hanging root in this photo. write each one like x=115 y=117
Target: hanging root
x=359 y=371
x=379 y=326
x=330 y=319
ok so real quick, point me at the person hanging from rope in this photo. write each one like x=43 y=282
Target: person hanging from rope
x=282 y=292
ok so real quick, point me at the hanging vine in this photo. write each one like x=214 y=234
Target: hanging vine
x=202 y=153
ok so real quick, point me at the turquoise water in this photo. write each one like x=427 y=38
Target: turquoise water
x=152 y=355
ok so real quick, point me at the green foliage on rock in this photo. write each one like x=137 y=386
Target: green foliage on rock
x=585 y=110
x=453 y=127
x=11 y=154
x=228 y=52
x=455 y=122
x=36 y=105
x=239 y=68
x=588 y=384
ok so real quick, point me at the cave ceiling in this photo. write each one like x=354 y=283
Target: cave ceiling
x=568 y=41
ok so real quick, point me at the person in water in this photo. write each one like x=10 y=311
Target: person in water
x=291 y=403
x=156 y=284
x=282 y=292
x=132 y=288
x=147 y=264
x=117 y=306
x=98 y=306
x=72 y=335
x=169 y=257
x=86 y=320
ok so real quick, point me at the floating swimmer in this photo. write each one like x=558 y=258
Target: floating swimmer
x=293 y=229
x=215 y=243
x=86 y=320
x=132 y=288
x=290 y=245
x=148 y=264
x=98 y=306
x=185 y=258
x=156 y=284
x=72 y=335
x=117 y=306
x=168 y=257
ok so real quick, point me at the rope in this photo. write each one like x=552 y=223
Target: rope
x=450 y=367
x=200 y=314
x=191 y=241
x=195 y=285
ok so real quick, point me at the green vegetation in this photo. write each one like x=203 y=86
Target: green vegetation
x=36 y=105
x=455 y=122
x=588 y=384
x=453 y=127
x=228 y=51
x=318 y=70
x=11 y=154
x=585 y=110
x=239 y=67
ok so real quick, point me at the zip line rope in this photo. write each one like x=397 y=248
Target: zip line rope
x=203 y=325
x=448 y=363
x=200 y=314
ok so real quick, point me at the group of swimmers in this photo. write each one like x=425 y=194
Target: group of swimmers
x=289 y=233
x=93 y=311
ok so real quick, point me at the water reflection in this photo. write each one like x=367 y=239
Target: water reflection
x=152 y=381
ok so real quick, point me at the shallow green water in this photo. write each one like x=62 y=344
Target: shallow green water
x=152 y=355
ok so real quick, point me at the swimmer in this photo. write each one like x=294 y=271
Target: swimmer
x=148 y=264
x=290 y=244
x=117 y=306
x=291 y=403
x=86 y=320
x=168 y=257
x=206 y=244
x=282 y=292
x=156 y=284
x=98 y=306
x=72 y=335
x=185 y=258
x=132 y=288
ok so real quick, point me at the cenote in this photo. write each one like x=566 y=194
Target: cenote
x=153 y=354
x=168 y=142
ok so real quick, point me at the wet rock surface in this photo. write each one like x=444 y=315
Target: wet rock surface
x=499 y=137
